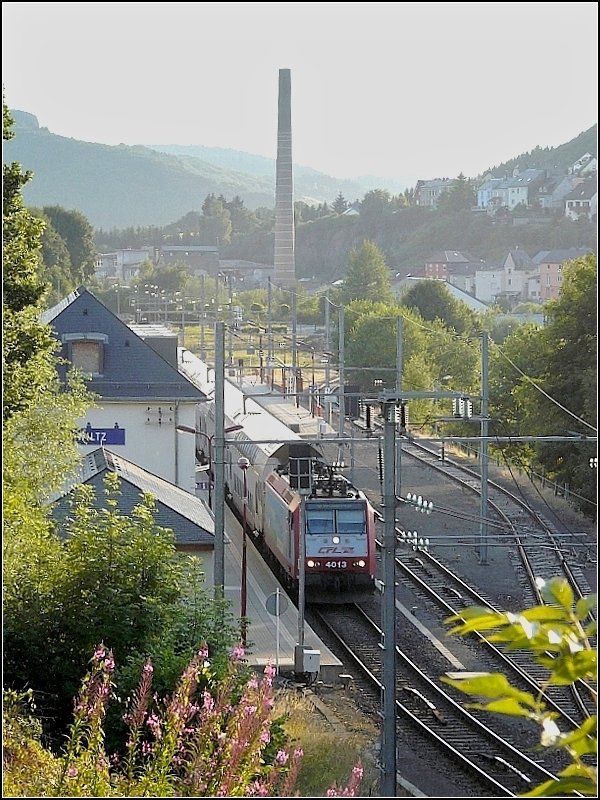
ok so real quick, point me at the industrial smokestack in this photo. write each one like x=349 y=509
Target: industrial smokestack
x=284 y=260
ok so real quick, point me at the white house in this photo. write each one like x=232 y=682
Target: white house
x=141 y=394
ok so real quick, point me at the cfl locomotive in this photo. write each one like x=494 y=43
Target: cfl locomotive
x=337 y=519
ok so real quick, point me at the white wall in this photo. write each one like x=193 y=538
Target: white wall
x=151 y=440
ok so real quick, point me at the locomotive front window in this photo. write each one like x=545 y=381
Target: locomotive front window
x=320 y=522
x=350 y=521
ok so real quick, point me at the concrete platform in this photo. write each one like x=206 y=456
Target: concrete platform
x=262 y=635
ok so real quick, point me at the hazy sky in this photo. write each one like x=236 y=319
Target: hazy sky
x=404 y=90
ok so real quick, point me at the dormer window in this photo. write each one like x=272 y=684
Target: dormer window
x=85 y=351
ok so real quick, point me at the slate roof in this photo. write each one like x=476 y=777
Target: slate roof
x=132 y=369
x=520 y=259
x=449 y=257
x=585 y=191
x=182 y=512
x=560 y=256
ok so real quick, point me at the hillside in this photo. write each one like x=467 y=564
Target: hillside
x=123 y=186
x=308 y=182
x=559 y=157
x=120 y=186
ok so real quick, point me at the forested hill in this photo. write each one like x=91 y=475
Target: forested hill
x=123 y=186
x=560 y=157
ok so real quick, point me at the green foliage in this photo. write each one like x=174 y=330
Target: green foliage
x=557 y=634
x=28 y=348
x=211 y=737
x=368 y=275
x=339 y=204
x=78 y=236
x=113 y=577
x=433 y=300
x=552 y=386
x=460 y=196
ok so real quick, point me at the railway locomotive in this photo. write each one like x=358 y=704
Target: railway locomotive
x=338 y=520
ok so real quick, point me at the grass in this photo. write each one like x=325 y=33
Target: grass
x=330 y=753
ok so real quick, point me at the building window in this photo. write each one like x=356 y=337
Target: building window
x=87 y=356
x=85 y=351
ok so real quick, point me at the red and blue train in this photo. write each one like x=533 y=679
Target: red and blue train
x=338 y=519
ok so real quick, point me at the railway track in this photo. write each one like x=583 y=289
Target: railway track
x=476 y=759
x=538 y=554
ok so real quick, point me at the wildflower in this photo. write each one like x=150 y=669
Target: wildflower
x=72 y=772
x=265 y=737
x=100 y=653
x=238 y=653
x=147 y=748
x=208 y=702
x=153 y=723
x=281 y=757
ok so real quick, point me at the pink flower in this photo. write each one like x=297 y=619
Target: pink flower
x=153 y=723
x=281 y=757
x=238 y=652
x=72 y=772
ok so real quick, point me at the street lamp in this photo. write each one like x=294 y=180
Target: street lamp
x=243 y=464
x=209 y=441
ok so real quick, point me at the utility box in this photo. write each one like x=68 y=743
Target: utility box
x=306 y=660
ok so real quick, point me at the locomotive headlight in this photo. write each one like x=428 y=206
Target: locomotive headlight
x=336 y=540
x=310 y=563
x=360 y=563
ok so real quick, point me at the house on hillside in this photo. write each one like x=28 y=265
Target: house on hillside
x=428 y=193
x=587 y=164
x=582 y=201
x=187 y=516
x=549 y=265
x=142 y=396
x=445 y=263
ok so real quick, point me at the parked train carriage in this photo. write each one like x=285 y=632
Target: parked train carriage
x=340 y=523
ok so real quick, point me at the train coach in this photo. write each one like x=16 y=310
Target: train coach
x=338 y=520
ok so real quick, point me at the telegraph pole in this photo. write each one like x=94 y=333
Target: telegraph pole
x=219 y=462
x=269 y=331
x=341 y=399
x=388 y=743
x=483 y=450
x=327 y=356
x=295 y=347
x=399 y=390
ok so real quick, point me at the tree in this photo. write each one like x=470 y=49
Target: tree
x=78 y=235
x=215 y=224
x=459 y=196
x=368 y=275
x=339 y=204
x=544 y=380
x=108 y=577
x=28 y=347
x=558 y=635
x=433 y=301
x=376 y=205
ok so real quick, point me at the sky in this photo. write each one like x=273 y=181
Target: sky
x=401 y=90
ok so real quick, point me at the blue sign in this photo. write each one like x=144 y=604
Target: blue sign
x=89 y=435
